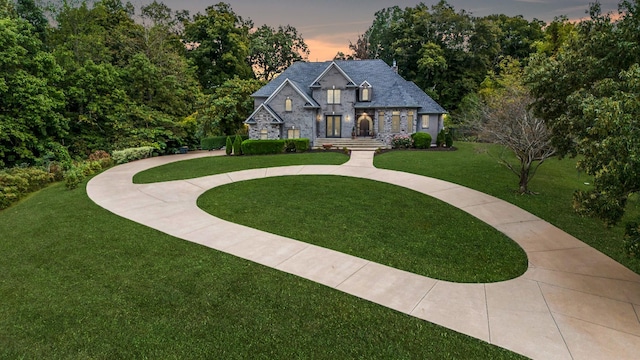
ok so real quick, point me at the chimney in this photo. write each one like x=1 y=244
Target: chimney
x=395 y=66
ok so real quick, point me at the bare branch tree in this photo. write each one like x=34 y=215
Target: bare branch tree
x=508 y=120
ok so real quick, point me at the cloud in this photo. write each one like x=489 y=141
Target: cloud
x=322 y=48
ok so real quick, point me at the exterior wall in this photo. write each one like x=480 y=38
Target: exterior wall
x=436 y=123
x=263 y=121
x=387 y=121
x=347 y=101
x=298 y=117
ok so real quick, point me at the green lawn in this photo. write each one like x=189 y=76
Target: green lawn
x=376 y=221
x=555 y=182
x=79 y=282
x=194 y=168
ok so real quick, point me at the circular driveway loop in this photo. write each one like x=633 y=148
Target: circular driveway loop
x=573 y=302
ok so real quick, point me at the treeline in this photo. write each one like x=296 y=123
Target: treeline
x=77 y=77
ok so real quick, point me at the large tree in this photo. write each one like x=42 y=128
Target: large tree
x=219 y=42
x=272 y=51
x=31 y=124
x=588 y=94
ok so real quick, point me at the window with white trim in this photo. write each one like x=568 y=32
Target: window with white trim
x=425 y=121
x=333 y=96
x=264 y=134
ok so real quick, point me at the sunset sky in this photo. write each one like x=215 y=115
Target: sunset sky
x=327 y=26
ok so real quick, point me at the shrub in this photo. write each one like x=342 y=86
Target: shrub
x=402 y=142
x=102 y=157
x=440 y=138
x=73 y=177
x=20 y=181
x=421 y=140
x=632 y=239
x=213 y=143
x=448 y=139
x=131 y=154
x=237 y=146
x=263 y=147
x=297 y=145
x=229 y=146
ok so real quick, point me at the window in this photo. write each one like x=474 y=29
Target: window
x=264 y=134
x=365 y=94
x=410 y=122
x=288 y=104
x=425 y=121
x=395 y=122
x=333 y=96
x=293 y=134
x=380 y=122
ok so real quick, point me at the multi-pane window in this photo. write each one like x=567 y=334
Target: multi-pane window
x=264 y=134
x=425 y=121
x=293 y=134
x=410 y=122
x=288 y=105
x=365 y=94
x=380 y=122
x=333 y=96
x=395 y=122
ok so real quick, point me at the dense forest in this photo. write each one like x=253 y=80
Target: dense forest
x=77 y=77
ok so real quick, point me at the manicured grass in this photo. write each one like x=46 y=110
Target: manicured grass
x=472 y=166
x=79 y=282
x=376 y=221
x=194 y=168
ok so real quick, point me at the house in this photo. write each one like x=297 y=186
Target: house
x=341 y=99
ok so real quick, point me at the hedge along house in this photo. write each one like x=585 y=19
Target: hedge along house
x=342 y=99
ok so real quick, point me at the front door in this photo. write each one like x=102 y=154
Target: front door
x=364 y=125
x=334 y=124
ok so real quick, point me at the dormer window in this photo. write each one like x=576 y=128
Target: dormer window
x=333 y=96
x=365 y=92
x=288 y=106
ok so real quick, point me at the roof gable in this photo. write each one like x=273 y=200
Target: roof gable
x=276 y=118
x=310 y=101
x=333 y=65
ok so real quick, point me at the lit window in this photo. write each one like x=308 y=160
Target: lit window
x=425 y=121
x=288 y=105
x=264 y=134
x=293 y=134
x=380 y=122
x=395 y=122
x=333 y=96
x=410 y=122
x=365 y=94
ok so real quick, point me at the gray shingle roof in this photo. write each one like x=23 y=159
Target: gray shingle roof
x=389 y=88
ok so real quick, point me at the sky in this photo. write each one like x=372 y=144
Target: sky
x=327 y=26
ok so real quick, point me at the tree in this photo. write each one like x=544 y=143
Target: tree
x=272 y=51
x=508 y=121
x=221 y=46
x=224 y=111
x=593 y=110
x=31 y=124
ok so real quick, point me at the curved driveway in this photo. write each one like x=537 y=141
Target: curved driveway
x=573 y=302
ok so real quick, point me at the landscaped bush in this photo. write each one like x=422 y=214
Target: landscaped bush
x=237 y=146
x=421 y=140
x=448 y=139
x=217 y=142
x=20 y=181
x=402 y=142
x=440 y=138
x=263 y=147
x=102 y=157
x=229 y=146
x=131 y=154
x=297 y=145
x=632 y=239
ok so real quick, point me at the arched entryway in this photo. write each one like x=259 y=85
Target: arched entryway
x=365 y=125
